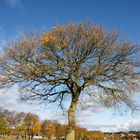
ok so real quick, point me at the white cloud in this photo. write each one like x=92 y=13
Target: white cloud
x=14 y=3
x=133 y=124
x=129 y=125
x=10 y=100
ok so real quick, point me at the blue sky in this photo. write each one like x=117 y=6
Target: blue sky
x=17 y=16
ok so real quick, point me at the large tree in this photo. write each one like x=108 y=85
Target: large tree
x=71 y=61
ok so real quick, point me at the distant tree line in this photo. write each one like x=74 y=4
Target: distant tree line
x=27 y=125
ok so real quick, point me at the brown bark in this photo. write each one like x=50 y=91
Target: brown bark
x=71 y=118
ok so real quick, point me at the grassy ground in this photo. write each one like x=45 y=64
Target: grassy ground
x=12 y=139
x=15 y=139
x=19 y=139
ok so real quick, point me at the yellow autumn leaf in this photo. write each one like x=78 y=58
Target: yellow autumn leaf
x=46 y=38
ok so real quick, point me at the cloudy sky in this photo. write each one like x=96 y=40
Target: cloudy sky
x=19 y=16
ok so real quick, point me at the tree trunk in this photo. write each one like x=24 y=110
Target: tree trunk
x=71 y=119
